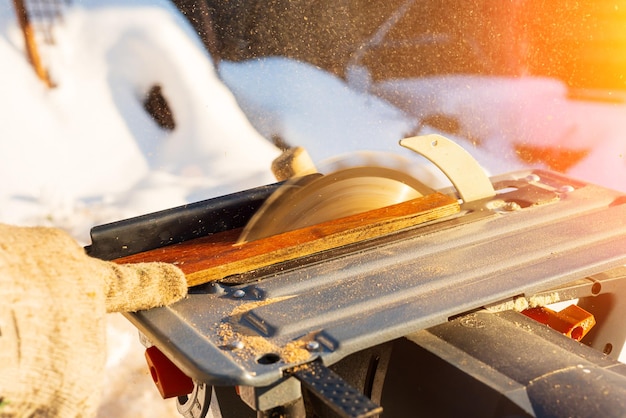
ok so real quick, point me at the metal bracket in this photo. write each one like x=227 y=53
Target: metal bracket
x=197 y=403
x=273 y=396
x=335 y=392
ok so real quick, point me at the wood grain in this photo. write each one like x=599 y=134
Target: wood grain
x=216 y=256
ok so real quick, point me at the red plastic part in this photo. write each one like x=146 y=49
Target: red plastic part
x=573 y=321
x=168 y=378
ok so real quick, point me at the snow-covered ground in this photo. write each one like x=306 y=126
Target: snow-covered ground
x=86 y=152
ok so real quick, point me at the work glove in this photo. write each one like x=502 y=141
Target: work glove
x=53 y=300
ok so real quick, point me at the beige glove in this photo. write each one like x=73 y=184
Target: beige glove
x=53 y=299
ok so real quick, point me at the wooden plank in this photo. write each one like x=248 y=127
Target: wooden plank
x=217 y=256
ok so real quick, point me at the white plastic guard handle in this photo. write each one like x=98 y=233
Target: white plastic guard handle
x=458 y=165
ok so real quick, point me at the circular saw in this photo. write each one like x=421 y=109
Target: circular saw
x=360 y=183
x=316 y=198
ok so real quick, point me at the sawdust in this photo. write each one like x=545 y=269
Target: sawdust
x=544 y=300
x=517 y=304
x=257 y=346
x=226 y=332
x=521 y=303
x=246 y=307
x=245 y=345
x=294 y=352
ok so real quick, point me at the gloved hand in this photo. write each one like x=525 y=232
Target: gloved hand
x=53 y=300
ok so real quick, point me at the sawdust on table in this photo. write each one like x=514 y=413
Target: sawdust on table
x=246 y=307
x=520 y=303
x=256 y=345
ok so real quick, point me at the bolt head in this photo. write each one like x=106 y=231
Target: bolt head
x=533 y=177
x=237 y=345
x=511 y=206
x=239 y=293
x=313 y=345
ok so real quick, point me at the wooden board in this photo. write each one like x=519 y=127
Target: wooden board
x=217 y=256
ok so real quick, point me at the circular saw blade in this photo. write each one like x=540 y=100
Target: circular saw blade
x=317 y=198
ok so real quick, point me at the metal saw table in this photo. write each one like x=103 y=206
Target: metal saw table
x=540 y=235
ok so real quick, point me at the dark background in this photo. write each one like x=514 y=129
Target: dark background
x=580 y=42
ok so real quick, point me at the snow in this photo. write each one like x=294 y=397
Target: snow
x=305 y=105
x=89 y=143
x=308 y=107
x=86 y=152
x=529 y=111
